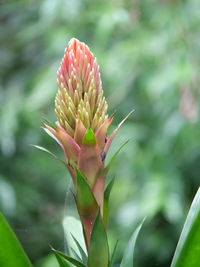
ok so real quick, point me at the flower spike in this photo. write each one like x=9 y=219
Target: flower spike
x=80 y=95
x=81 y=131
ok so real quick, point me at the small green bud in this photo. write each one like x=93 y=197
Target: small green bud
x=89 y=137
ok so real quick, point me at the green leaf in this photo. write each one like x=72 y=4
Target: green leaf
x=86 y=202
x=115 y=154
x=75 y=254
x=98 y=254
x=127 y=116
x=73 y=230
x=62 y=262
x=48 y=260
x=63 y=258
x=89 y=137
x=113 y=255
x=106 y=201
x=11 y=251
x=82 y=252
x=127 y=260
x=187 y=253
x=50 y=153
x=49 y=123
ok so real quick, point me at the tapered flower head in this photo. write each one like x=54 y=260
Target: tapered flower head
x=80 y=107
x=81 y=129
x=79 y=102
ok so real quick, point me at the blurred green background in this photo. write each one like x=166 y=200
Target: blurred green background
x=149 y=56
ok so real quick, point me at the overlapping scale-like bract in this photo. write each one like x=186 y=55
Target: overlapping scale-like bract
x=80 y=95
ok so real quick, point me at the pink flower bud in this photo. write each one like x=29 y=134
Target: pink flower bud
x=79 y=103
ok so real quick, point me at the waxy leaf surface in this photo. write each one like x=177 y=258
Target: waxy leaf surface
x=106 y=202
x=127 y=260
x=98 y=254
x=86 y=202
x=187 y=253
x=11 y=251
x=64 y=259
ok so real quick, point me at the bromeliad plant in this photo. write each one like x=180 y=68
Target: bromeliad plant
x=81 y=131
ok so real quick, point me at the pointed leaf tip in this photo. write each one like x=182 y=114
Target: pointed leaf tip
x=114 y=156
x=113 y=134
x=127 y=116
x=47 y=122
x=89 y=137
x=64 y=260
x=11 y=251
x=81 y=250
x=129 y=252
x=49 y=152
x=113 y=255
x=86 y=201
x=188 y=250
x=106 y=202
x=98 y=254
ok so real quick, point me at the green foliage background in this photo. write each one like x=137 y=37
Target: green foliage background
x=149 y=56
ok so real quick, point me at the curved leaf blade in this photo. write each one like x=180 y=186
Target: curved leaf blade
x=98 y=254
x=127 y=260
x=61 y=256
x=188 y=249
x=86 y=202
x=49 y=152
x=73 y=229
x=82 y=252
x=11 y=251
x=114 y=156
x=62 y=262
x=75 y=255
x=86 y=205
x=106 y=201
x=113 y=255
